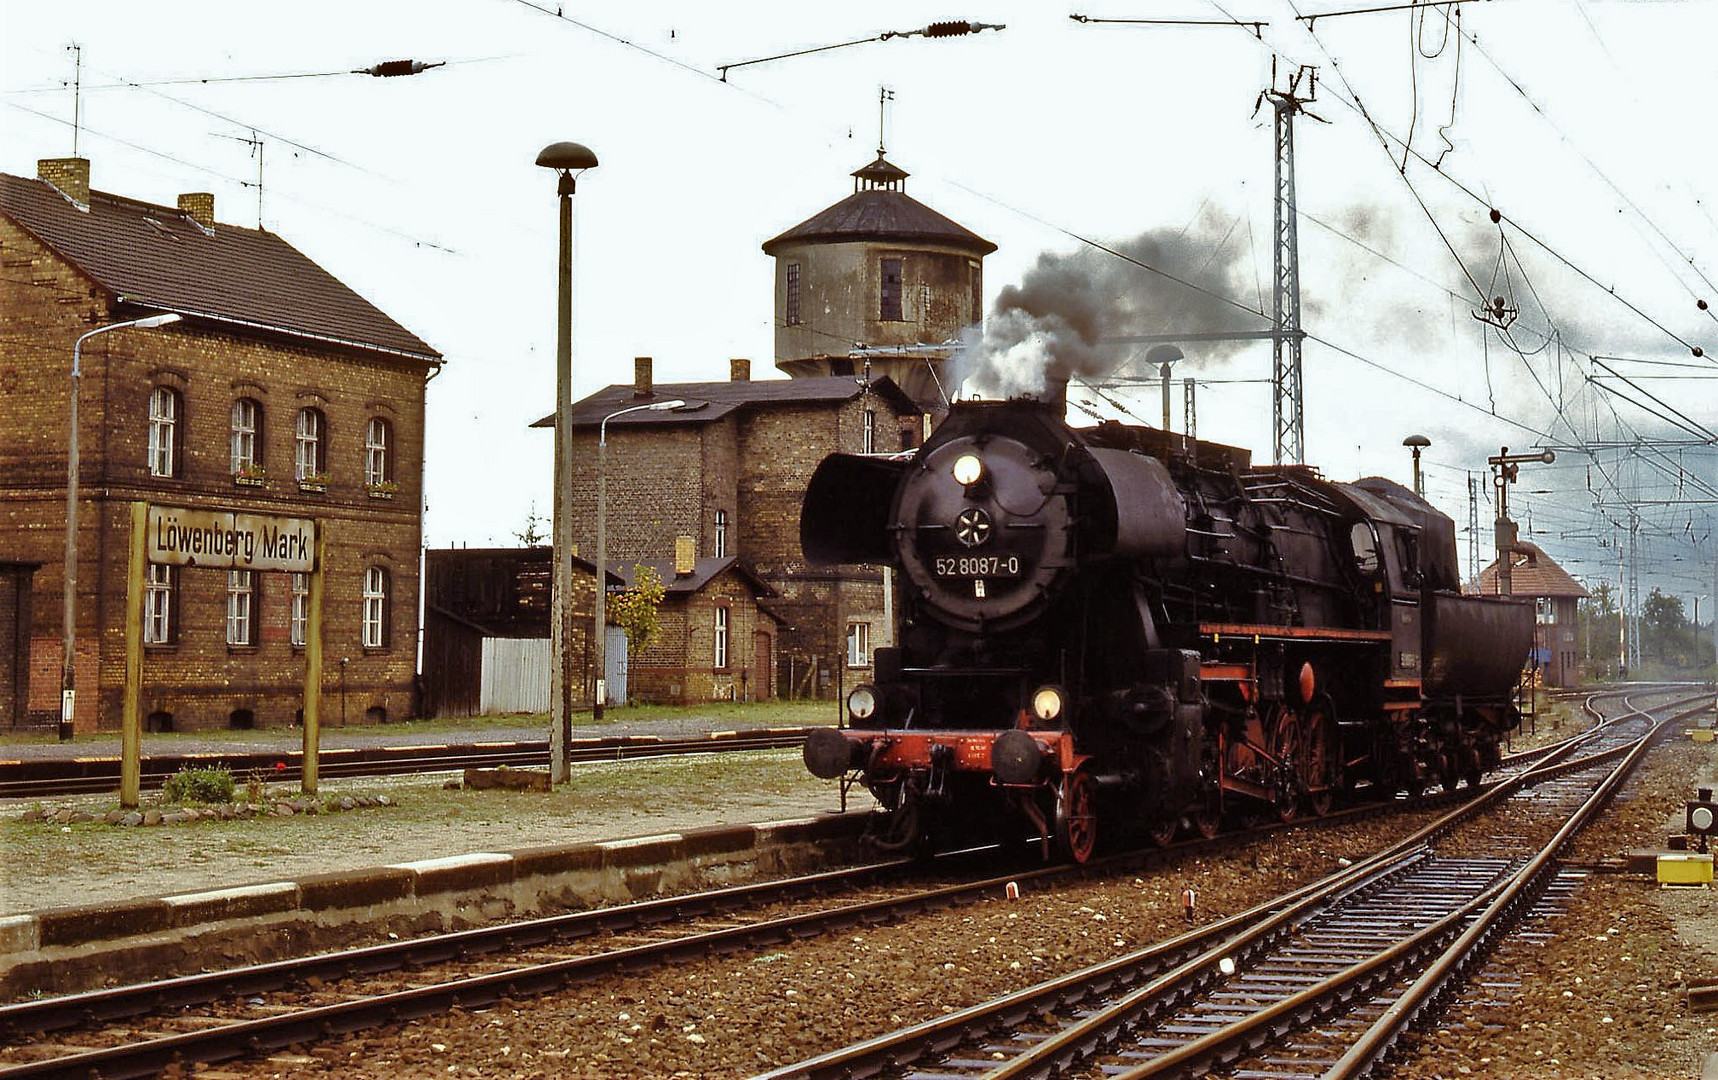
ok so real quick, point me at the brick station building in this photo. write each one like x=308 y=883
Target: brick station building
x=282 y=392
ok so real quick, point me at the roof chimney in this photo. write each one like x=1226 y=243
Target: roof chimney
x=642 y=385
x=69 y=175
x=739 y=370
x=199 y=206
x=685 y=556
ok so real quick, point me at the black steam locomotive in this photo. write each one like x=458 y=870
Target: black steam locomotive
x=1120 y=628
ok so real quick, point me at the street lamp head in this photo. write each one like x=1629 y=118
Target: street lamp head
x=1163 y=354
x=664 y=406
x=1417 y=441
x=567 y=157
x=158 y=320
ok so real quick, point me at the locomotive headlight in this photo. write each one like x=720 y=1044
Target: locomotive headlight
x=968 y=470
x=862 y=702
x=1047 y=702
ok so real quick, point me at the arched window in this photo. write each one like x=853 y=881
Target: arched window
x=376 y=620
x=247 y=438
x=311 y=461
x=241 y=607
x=166 y=408
x=378 y=452
x=160 y=613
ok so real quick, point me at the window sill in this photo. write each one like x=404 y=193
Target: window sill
x=378 y=493
x=248 y=481
x=242 y=650
x=314 y=487
x=161 y=646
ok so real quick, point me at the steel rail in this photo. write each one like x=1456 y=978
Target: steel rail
x=1381 y=1037
x=22 y=779
x=1232 y=937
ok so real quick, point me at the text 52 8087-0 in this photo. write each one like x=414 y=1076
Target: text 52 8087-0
x=976 y=566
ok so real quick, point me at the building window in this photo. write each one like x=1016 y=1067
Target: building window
x=164 y=414
x=311 y=460
x=159 y=625
x=299 y=621
x=378 y=452
x=721 y=637
x=376 y=608
x=247 y=438
x=870 y=441
x=792 y=313
x=891 y=295
x=721 y=534
x=858 y=644
x=241 y=607
x=1546 y=610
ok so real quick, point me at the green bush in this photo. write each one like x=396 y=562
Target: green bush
x=199 y=786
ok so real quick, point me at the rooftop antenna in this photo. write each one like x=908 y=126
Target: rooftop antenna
x=884 y=95
x=77 y=89
x=256 y=151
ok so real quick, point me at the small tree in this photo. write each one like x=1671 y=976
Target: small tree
x=532 y=534
x=638 y=609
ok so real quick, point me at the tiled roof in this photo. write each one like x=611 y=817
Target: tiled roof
x=880 y=214
x=1532 y=573
x=704 y=570
x=157 y=257
x=707 y=401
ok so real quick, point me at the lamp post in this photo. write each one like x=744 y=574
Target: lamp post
x=568 y=159
x=1163 y=356
x=68 y=631
x=1416 y=443
x=599 y=621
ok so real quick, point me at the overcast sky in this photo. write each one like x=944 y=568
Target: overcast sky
x=1586 y=125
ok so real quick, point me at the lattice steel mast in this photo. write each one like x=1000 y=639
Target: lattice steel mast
x=1289 y=421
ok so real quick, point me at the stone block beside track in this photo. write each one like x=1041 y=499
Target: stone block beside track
x=70 y=949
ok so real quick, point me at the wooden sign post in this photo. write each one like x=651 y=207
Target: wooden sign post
x=221 y=540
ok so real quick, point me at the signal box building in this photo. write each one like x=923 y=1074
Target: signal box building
x=1534 y=575
x=281 y=392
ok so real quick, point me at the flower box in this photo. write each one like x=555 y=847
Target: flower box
x=381 y=491
x=247 y=480
x=317 y=484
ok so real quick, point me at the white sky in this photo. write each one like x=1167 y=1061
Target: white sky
x=1585 y=123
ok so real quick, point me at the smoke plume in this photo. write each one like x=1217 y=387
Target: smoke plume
x=1063 y=317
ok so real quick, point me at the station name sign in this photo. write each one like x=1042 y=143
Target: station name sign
x=225 y=540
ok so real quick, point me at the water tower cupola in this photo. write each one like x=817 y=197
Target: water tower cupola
x=881 y=281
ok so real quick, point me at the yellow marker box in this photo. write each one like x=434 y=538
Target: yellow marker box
x=1701 y=734
x=1684 y=868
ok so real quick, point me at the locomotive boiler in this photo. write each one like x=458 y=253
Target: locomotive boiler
x=1117 y=629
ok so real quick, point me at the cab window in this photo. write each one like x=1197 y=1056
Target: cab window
x=1365 y=544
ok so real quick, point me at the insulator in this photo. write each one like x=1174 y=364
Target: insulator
x=948 y=29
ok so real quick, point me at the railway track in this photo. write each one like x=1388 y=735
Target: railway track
x=142 y=1030
x=1321 y=982
x=47 y=778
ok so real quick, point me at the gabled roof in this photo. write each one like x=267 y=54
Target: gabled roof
x=159 y=258
x=704 y=571
x=880 y=214
x=1532 y=573
x=708 y=401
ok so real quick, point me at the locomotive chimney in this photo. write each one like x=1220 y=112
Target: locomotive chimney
x=1056 y=393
